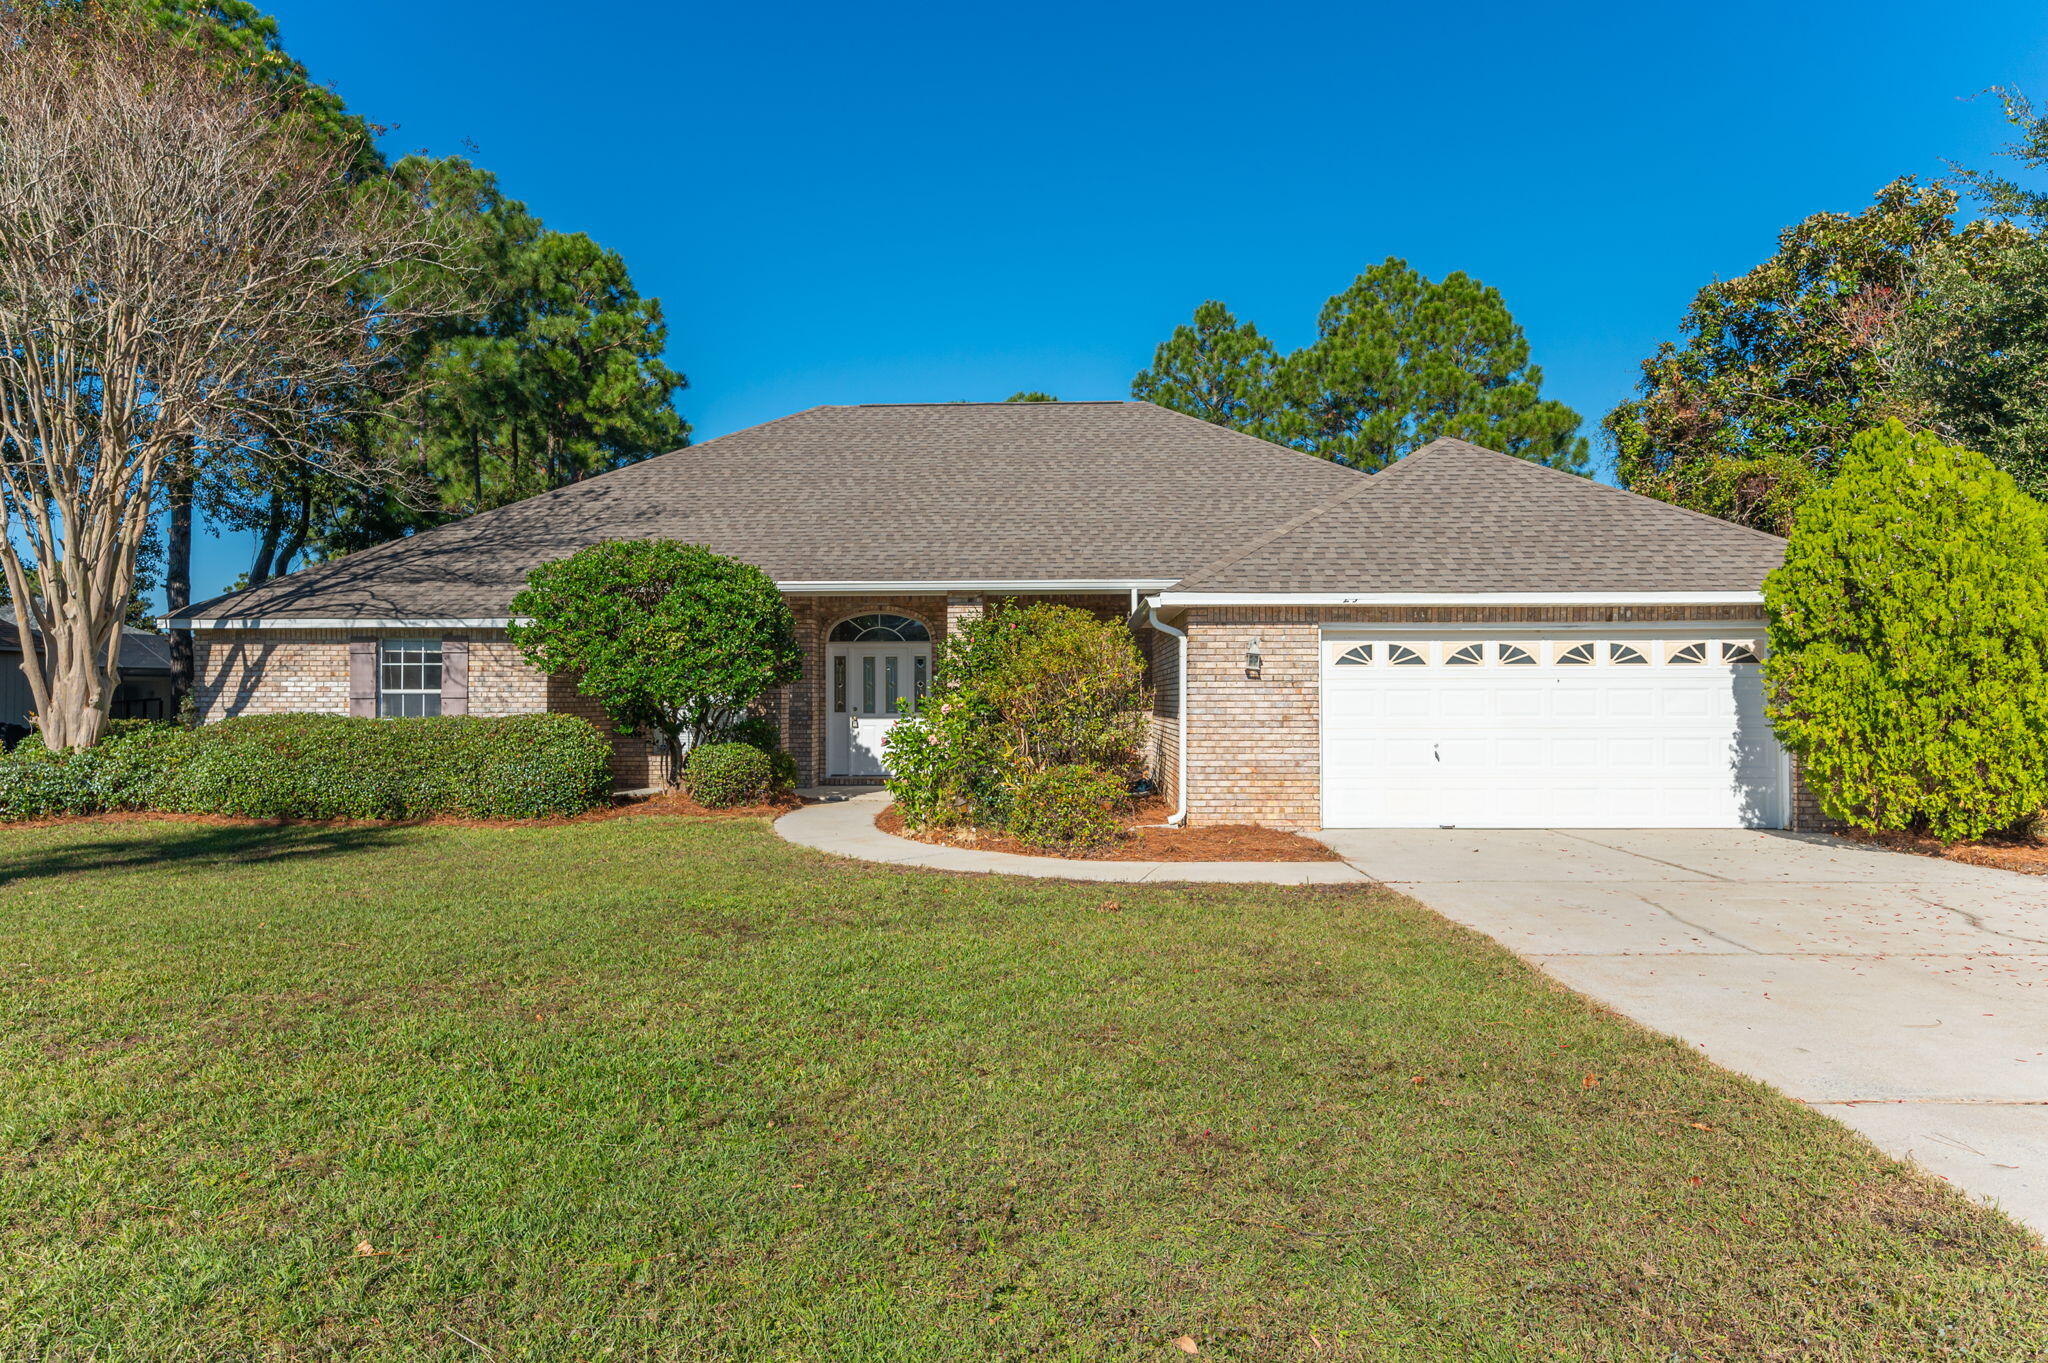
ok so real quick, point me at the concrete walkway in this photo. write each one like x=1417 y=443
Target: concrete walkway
x=1904 y=996
x=844 y=825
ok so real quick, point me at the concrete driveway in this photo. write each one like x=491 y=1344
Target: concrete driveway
x=1904 y=996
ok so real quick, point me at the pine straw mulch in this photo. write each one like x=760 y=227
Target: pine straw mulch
x=2026 y=857
x=1143 y=840
x=673 y=803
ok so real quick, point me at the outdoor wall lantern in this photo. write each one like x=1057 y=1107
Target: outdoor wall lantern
x=1252 y=660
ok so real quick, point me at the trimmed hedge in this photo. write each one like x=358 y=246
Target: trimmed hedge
x=721 y=775
x=304 y=766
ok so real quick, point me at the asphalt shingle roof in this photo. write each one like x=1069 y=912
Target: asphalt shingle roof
x=1453 y=517
x=1110 y=491
x=141 y=649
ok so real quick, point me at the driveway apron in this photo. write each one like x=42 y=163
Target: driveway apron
x=1904 y=996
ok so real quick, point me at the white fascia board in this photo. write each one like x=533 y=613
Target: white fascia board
x=1049 y=584
x=355 y=622
x=1178 y=600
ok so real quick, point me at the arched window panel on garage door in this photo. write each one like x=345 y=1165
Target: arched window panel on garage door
x=1400 y=655
x=1734 y=653
x=1514 y=655
x=1578 y=655
x=1626 y=655
x=1471 y=655
x=1688 y=655
x=1358 y=655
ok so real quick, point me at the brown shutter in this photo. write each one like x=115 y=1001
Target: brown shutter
x=362 y=678
x=455 y=676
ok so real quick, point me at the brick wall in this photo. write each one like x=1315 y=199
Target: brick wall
x=1255 y=743
x=268 y=672
x=1806 y=814
x=1163 y=653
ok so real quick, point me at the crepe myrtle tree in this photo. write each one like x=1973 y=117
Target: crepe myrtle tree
x=663 y=635
x=189 y=257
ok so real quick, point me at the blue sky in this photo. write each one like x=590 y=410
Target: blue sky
x=874 y=203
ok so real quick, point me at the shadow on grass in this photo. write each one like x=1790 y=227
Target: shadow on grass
x=157 y=846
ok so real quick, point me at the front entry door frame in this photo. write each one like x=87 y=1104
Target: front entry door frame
x=869 y=687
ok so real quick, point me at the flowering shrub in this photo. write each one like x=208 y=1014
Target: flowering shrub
x=1016 y=694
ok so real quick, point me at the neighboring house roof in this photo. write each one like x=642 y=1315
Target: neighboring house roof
x=1453 y=517
x=141 y=650
x=1123 y=493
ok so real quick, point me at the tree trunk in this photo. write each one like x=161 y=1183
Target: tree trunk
x=476 y=467
x=178 y=581
x=266 y=541
x=302 y=524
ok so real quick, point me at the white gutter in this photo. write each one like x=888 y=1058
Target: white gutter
x=1180 y=782
x=1016 y=584
x=1175 y=600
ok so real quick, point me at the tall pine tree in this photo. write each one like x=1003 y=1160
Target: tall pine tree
x=1215 y=368
x=1398 y=361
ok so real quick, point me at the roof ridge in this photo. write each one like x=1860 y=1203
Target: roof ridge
x=1365 y=481
x=1585 y=480
x=969 y=402
x=1232 y=430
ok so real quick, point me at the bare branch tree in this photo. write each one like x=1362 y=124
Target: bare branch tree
x=185 y=258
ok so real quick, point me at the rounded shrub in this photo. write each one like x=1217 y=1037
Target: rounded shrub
x=761 y=732
x=721 y=775
x=1070 y=808
x=1909 y=640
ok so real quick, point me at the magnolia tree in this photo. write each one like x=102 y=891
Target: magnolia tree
x=185 y=254
x=665 y=636
x=1909 y=640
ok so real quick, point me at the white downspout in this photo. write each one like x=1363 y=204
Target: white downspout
x=1180 y=784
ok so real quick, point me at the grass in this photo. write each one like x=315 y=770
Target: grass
x=658 y=1088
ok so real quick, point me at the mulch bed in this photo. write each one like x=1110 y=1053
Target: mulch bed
x=1143 y=840
x=2007 y=854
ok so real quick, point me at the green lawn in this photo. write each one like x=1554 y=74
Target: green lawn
x=652 y=1088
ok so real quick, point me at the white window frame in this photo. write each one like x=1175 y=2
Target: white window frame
x=430 y=656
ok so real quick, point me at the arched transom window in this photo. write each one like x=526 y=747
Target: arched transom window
x=880 y=629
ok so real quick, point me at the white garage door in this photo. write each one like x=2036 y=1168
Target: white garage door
x=1506 y=731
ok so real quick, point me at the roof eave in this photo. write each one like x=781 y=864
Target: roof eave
x=861 y=587
x=1171 y=602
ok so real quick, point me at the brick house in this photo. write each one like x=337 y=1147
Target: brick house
x=1463 y=639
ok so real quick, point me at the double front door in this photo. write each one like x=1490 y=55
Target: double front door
x=872 y=686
